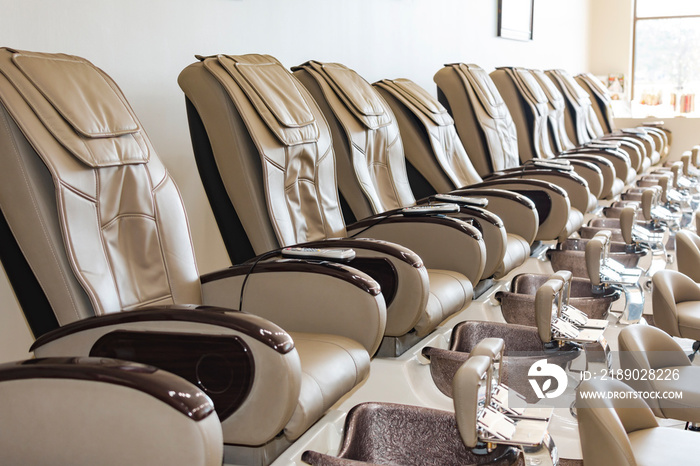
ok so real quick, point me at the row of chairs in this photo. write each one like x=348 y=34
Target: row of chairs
x=94 y=226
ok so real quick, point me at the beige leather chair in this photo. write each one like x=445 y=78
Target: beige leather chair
x=650 y=350
x=372 y=174
x=489 y=136
x=583 y=127
x=99 y=227
x=265 y=156
x=561 y=143
x=622 y=430
x=530 y=107
x=688 y=254
x=87 y=411
x=602 y=106
x=676 y=305
x=436 y=162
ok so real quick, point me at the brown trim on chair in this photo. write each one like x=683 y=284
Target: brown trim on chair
x=323 y=267
x=396 y=217
x=166 y=387
x=248 y=324
x=390 y=249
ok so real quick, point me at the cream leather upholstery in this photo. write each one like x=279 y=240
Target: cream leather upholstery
x=371 y=165
x=489 y=135
x=432 y=147
x=98 y=411
x=583 y=125
x=688 y=254
x=676 y=304
x=536 y=116
x=272 y=152
x=602 y=105
x=651 y=350
x=104 y=230
x=622 y=431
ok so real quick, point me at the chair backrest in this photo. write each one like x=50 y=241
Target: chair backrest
x=270 y=147
x=431 y=143
x=98 y=218
x=557 y=112
x=482 y=119
x=669 y=288
x=602 y=100
x=688 y=253
x=529 y=108
x=582 y=124
x=605 y=421
x=370 y=160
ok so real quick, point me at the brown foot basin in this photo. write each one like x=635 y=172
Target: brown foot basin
x=523 y=348
x=571 y=255
x=518 y=305
x=599 y=224
x=386 y=433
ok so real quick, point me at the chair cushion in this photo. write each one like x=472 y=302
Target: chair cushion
x=664 y=445
x=331 y=366
x=450 y=292
x=517 y=252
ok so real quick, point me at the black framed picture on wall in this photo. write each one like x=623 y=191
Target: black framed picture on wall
x=515 y=18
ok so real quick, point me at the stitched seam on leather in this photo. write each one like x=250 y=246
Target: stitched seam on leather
x=41 y=220
x=392 y=179
x=108 y=259
x=154 y=206
x=122 y=216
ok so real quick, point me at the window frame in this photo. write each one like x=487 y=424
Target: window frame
x=636 y=18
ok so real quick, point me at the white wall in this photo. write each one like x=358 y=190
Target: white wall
x=144 y=44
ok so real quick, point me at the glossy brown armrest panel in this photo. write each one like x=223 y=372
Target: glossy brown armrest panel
x=168 y=388
x=511 y=195
x=250 y=325
x=466 y=211
x=324 y=267
x=384 y=247
x=395 y=216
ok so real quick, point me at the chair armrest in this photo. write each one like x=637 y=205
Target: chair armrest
x=55 y=411
x=551 y=201
x=400 y=272
x=607 y=170
x=575 y=186
x=442 y=242
x=304 y=296
x=221 y=351
x=517 y=212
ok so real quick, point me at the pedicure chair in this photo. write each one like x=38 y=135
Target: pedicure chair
x=87 y=411
x=583 y=126
x=370 y=163
x=480 y=431
x=265 y=156
x=601 y=102
x=489 y=136
x=620 y=429
x=529 y=107
x=97 y=248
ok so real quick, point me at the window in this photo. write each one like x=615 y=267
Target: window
x=666 y=62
